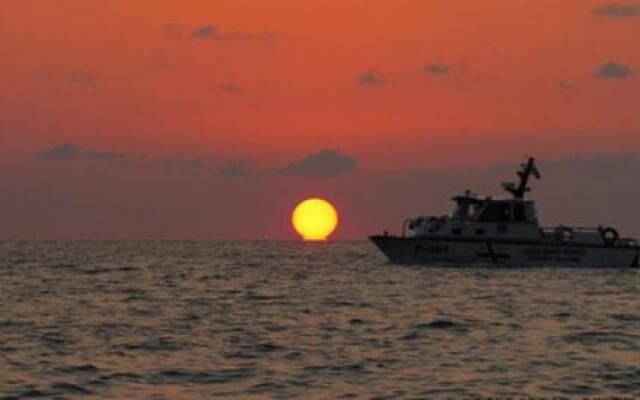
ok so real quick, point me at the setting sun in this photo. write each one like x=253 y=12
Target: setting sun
x=314 y=219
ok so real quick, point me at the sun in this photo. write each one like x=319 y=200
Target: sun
x=315 y=219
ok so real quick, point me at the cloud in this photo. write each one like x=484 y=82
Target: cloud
x=324 y=164
x=207 y=32
x=212 y=32
x=229 y=87
x=234 y=170
x=80 y=78
x=68 y=151
x=103 y=155
x=613 y=70
x=180 y=164
x=244 y=35
x=370 y=78
x=566 y=85
x=63 y=151
x=617 y=10
x=436 y=69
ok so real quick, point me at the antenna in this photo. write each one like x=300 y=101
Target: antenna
x=525 y=172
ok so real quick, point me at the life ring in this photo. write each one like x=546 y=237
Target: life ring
x=609 y=236
x=564 y=234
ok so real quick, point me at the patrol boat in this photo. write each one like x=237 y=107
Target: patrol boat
x=505 y=232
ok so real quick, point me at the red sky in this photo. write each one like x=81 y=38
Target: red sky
x=174 y=91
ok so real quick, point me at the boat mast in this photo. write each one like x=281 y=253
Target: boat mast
x=527 y=170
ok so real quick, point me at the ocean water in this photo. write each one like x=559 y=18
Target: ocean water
x=283 y=320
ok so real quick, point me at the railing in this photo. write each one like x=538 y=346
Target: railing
x=565 y=234
x=404 y=226
x=628 y=242
x=419 y=221
x=560 y=233
x=548 y=229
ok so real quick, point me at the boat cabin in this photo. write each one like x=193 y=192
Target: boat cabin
x=473 y=216
x=471 y=208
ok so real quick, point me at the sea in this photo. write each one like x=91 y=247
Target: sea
x=293 y=320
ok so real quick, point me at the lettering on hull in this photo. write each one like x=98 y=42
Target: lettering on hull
x=432 y=248
x=553 y=254
x=490 y=253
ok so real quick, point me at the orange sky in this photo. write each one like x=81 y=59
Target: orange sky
x=273 y=81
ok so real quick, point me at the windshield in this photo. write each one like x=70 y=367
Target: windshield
x=465 y=210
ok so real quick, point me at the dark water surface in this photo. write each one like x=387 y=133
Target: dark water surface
x=261 y=320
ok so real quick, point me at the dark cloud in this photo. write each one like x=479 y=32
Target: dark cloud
x=212 y=32
x=370 y=78
x=104 y=155
x=179 y=164
x=63 y=151
x=566 y=85
x=324 y=164
x=80 y=78
x=229 y=88
x=244 y=35
x=617 y=10
x=234 y=170
x=68 y=151
x=613 y=70
x=207 y=32
x=437 y=69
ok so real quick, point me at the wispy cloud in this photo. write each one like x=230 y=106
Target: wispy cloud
x=370 y=78
x=212 y=32
x=324 y=164
x=617 y=10
x=566 y=85
x=229 y=87
x=68 y=151
x=613 y=70
x=234 y=170
x=180 y=164
x=437 y=69
x=80 y=78
x=207 y=32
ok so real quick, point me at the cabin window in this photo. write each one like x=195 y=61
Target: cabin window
x=519 y=214
x=456 y=231
x=496 y=212
x=531 y=213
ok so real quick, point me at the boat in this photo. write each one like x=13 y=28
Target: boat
x=504 y=232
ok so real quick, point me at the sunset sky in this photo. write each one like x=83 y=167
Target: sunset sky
x=212 y=119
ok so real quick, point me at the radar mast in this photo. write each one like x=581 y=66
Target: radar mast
x=525 y=172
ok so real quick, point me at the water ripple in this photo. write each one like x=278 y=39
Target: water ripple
x=200 y=320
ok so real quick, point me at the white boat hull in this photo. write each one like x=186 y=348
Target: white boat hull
x=503 y=253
